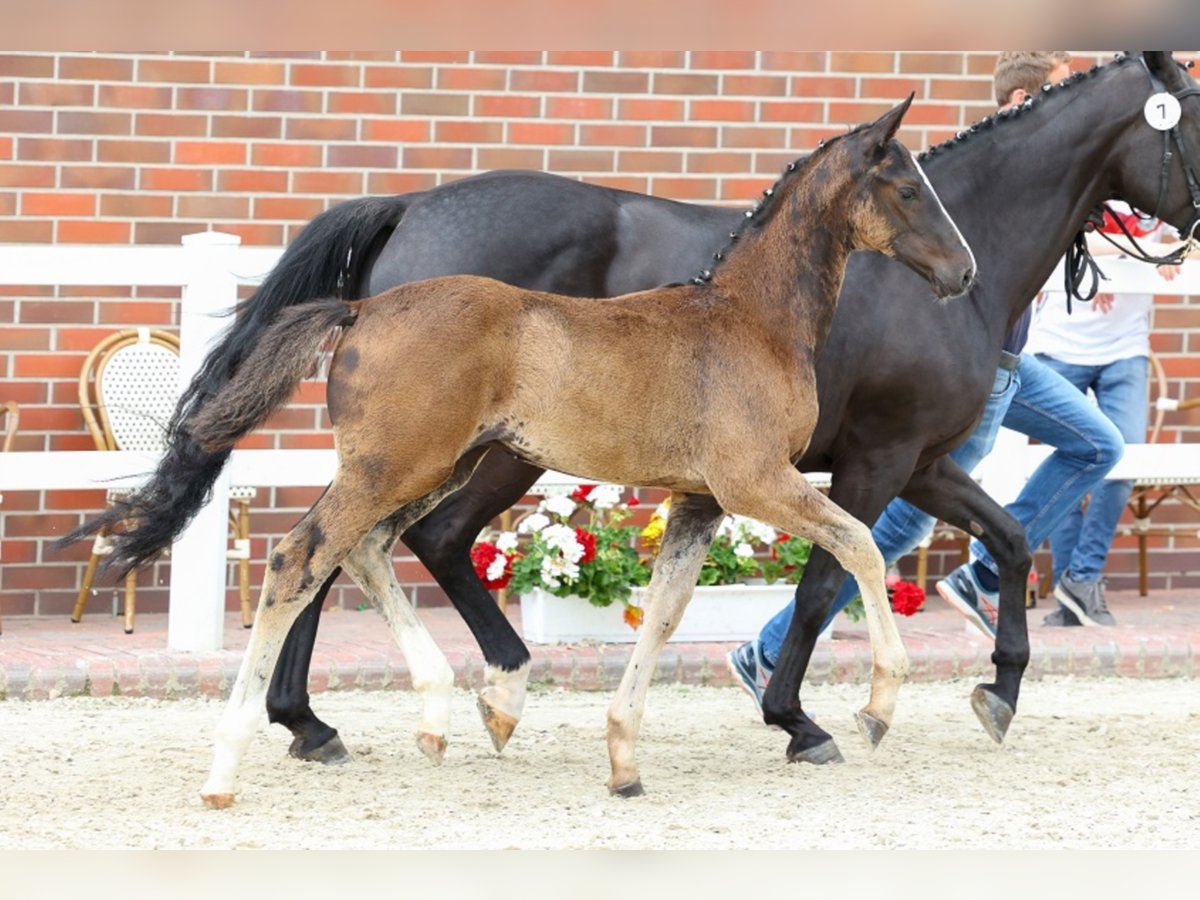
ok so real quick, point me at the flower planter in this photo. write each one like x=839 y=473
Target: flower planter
x=733 y=612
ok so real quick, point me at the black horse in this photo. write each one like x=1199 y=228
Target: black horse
x=901 y=380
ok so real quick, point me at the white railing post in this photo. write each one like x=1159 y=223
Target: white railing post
x=196 y=615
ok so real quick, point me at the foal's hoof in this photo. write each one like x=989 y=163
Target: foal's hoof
x=433 y=746
x=498 y=723
x=995 y=714
x=871 y=728
x=331 y=753
x=633 y=789
x=217 y=801
x=818 y=755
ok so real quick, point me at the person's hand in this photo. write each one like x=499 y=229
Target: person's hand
x=1168 y=272
x=1103 y=303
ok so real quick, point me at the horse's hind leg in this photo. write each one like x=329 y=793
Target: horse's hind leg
x=787 y=501
x=302 y=561
x=690 y=530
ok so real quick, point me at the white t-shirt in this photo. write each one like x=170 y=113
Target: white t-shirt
x=1092 y=338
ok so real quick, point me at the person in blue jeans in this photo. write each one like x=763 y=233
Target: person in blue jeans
x=1028 y=397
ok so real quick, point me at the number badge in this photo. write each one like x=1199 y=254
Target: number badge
x=1162 y=112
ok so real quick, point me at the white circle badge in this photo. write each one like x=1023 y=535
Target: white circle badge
x=1162 y=111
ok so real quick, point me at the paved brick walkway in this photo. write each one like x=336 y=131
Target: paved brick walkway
x=1158 y=636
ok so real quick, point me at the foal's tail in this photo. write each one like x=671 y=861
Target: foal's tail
x=328 y=259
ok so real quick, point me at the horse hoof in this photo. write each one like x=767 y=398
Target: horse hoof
x=995 y=714
x=217 y=801
x=433 y=746
x=633 y=789
x=871 y=728
x=498 y=723
x=819 y=755
x=331 y=753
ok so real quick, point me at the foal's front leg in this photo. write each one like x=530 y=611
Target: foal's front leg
x=690 y=529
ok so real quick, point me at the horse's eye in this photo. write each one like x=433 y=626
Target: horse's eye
x=908 y=193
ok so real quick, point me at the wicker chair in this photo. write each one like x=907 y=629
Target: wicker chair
x=127 y=392
x=10 y=415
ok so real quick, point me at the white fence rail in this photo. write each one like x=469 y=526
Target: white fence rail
x=209 y=266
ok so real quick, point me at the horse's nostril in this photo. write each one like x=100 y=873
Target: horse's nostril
x=968 y=277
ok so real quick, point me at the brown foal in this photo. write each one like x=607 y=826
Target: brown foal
x=429 y=375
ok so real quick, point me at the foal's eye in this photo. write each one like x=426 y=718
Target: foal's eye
x=908 y=193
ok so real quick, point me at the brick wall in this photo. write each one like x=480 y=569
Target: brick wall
x=146 y=147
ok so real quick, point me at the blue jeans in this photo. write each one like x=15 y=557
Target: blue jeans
x=1080 y=542
x=1087 y=445
x=902 y=526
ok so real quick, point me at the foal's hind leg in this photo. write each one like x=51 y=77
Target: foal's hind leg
x=690 y=530
x=784 y=498
x=301 y=562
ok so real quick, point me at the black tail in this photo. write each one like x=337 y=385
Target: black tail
x=326 y=260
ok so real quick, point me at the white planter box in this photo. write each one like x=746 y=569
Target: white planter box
x=733 y=612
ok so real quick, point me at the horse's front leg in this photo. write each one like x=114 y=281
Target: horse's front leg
x=942 y=489
x=690 y=530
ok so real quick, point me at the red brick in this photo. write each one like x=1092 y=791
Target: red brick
x=651 y=59
x=94 y=123
x=509 y=57
x=750 y=136
x=251 y=181
x=719 y=162
x=350 y=183
x=251 y=73
x=55 y=93
x=135 y=206
x=822 y=86
x=287 y=207
x=543 y=80
x=508 y=106
x=133 y=151
x=435 y=158
x=651 y=109
x=755 y=85
x=685 y=188
x=435 y=56
x=960 y=89
x=252 y=233
x=541 y=133
x=851 y=113
x=399 y=182
x=320 y=129
x=682 y=136
x=579 y=58
x=616 y=82
x=54 y=149
x=723 y=59
x=8 y=206
x=622 y=182
x=107 y=177
x=580 y=160
x=29 y=121
x=286 y=101
x=173 y=71
x=211 y=153
x=12 y=338
x=365 y=156
x=58 y=204
x=510 y=158
x=362 y=102
x=795 y=60
x=941 y=63
x=420 y=104
x=613 y=135
x=201 y=207
x=26 y=176
x=579 y=108
x=51 y=365
x=247 y=126
x=861 y=62
x=14 y=66
x=363 y=55
x=292 y=155
x=26 y=232
x=679 y=83
x=74 y=232
x=464 y=79
x=170 y=125
x=399 y=77
x=791 y=111
x=469 y=132
x=217 y=99
x=176 y=179
x=95 y=68
x=721 y=110
x=649 y=161
x=398 y=130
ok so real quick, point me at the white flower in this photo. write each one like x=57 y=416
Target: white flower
x=495 y=571
x=534 y=523
x=562 y=538
x=743 y=550
x=760 y=531
x=506 y=542
x=606 y=496
x=557 y=568
x=559 y=506
x=727 y=527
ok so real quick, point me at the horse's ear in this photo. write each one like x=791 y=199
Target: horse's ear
x=886 y=126
x=1163 y=67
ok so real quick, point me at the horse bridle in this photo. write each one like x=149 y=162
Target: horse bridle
x=1080 y=263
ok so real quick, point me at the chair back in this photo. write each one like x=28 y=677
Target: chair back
x=128 y=388
x=11 y=414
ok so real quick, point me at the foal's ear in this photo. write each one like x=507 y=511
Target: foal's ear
x=886 y=126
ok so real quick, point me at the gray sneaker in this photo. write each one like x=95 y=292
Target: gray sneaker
x=1086 y=600
x=1061 y=616
x=750 y=669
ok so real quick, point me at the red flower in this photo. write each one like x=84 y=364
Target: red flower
x=907 y=598
x=588 y=540
x=632 y=502
x=782 y=539
x=581 y=493
x=633 y=617
x=482 y=557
